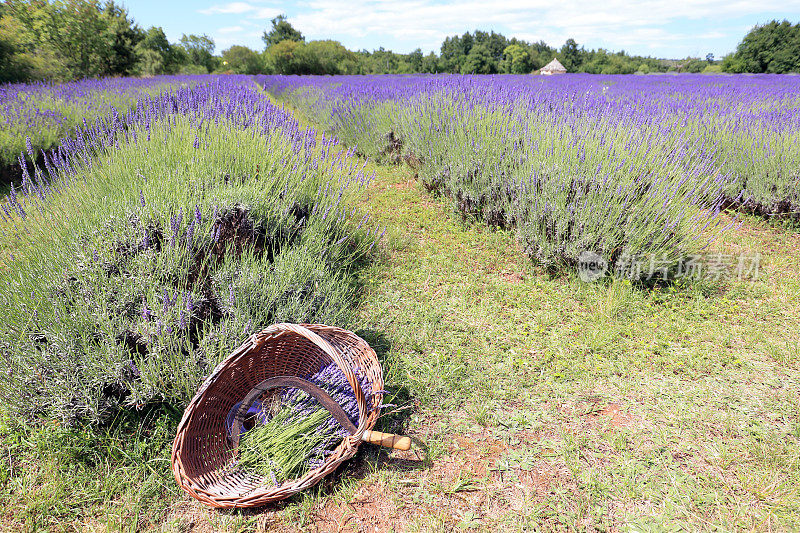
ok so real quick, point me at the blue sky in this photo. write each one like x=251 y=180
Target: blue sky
x=660 y=28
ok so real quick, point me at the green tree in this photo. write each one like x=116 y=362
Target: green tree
x=386 y=61
x=121 y=35
x=541 y=54
x=430 y=64
x=72 y=38
x=281 y=30
x=773 y=47
x=15 y=65
x=487 y=56
x=517 y=60
x=415 y=60
x=570 y=56
x=479 y=61
x=280 y=58
x=199 y=50
x=325 y=57
x=75 y=32
x=733 y=64
x=382 y=61
x=495 y=43
x=314 y=57
x=241 y=60
x=156 y=54
x=453 y=52
x=693 y=65
x=619 y=63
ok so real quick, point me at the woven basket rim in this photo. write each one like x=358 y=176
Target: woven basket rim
x=318 y=335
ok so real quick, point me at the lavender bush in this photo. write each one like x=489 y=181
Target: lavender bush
x=153 y=243
x=44 y=113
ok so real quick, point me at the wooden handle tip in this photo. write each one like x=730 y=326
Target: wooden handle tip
x=387 y=440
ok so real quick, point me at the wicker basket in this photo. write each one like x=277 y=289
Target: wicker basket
x=203 y=451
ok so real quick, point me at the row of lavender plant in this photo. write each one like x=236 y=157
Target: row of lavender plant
x=154 y=242
x=615 y=165
x=44 y=113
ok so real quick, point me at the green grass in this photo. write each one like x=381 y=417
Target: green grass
x=74 y=479
x=543 y=402
x=707 y=376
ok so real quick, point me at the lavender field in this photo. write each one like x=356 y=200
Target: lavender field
x=152 y=224
x=45 y=113
x=619 y=165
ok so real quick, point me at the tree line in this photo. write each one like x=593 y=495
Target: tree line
x=287 y=52
x=772 y=48
x=72 y=39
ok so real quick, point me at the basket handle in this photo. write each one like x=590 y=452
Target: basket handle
x=387 y=440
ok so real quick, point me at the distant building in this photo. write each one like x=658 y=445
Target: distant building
x=553 y=67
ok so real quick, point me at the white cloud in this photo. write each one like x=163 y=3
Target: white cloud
x=226 y=40
x=676 y=28
x=623 y=23
x=713 y=35
x=231 y=29
x=267 y=13
x=241 y=8
x=232 y=8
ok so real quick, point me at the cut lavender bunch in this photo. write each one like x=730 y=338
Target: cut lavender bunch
x=281 y=447
x=302 y=433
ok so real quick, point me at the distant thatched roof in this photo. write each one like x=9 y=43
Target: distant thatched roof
x=554 y=66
